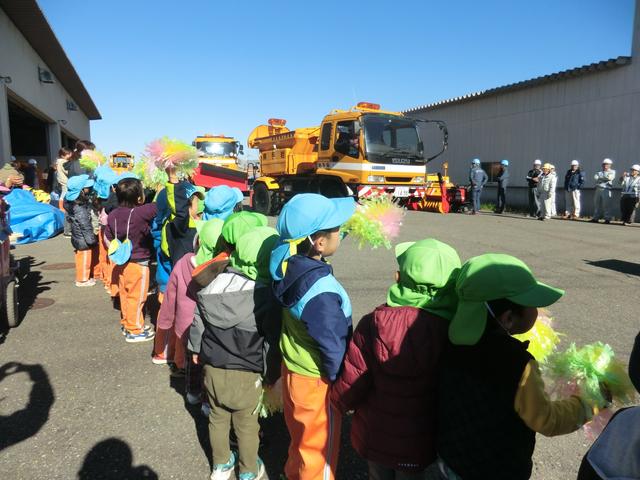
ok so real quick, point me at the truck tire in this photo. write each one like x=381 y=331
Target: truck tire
x=11 y=311
x=262 y=201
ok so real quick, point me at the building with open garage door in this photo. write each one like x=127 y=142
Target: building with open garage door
x=587 y=113
x=43 y=103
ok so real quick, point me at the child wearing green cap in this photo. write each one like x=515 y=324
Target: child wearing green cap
x=316 y=327
x=491 y=394
x=176 y=311
x=234 y=335
x=390 y=370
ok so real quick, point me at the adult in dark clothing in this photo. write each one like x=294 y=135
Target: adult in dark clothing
x=478 y=178
x=503 y=183
x=532 y=183
x=30 y=173
x=573 y=182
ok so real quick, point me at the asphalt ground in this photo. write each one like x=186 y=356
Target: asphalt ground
x=76 y=401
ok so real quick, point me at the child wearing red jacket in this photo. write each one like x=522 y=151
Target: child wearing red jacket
x=390 y=370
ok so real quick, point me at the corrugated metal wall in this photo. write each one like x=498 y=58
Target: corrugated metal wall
x=588 y=118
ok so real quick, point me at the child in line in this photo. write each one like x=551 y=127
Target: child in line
x=391 y=368
x=163 y=262
x=132 y=221
x=78 y=205
x=491 y=394
x=105 y=178
x=316 y=327
x=185 y=201
x=234 y=228
x=176 y=311
x=222 y=201
x=235 y=333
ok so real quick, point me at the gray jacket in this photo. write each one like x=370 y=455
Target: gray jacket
x=478 y=177
x=237 y=325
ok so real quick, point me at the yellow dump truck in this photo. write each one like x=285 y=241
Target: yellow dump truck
x=360 y=152
x=219 y=163
x=121 y=162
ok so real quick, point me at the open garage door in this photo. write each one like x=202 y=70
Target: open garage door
x=28 y=134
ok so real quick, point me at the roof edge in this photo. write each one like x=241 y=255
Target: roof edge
x=30 y=20
x=601 y=66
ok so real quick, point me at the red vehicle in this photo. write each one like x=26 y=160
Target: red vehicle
x=9 y=314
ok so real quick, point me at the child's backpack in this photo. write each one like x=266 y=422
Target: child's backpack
x=120 y=252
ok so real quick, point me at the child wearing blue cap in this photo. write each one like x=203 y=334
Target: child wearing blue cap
x=78 y=206
x=316 y=327
x=222 y=201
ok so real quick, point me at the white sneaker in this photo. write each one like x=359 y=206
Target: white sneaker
x=225 y=471
x=89 y=283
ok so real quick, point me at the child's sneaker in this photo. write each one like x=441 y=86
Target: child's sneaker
x=89 y=283
x=143 y=336
x=159 y=359
x=146 y=328
x=225 y=471
x=254 y=476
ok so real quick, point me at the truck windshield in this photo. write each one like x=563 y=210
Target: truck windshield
x=391 y=139
x=217 y=149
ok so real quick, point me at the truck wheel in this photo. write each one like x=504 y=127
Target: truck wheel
x=262 y=199
x=11 y=312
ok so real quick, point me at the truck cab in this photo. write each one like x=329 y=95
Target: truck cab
x=367 y=147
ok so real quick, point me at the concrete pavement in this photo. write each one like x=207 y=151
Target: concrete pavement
x=76 y=401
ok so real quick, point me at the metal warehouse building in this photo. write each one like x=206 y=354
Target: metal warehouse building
x=43 y=103
x=586 y=113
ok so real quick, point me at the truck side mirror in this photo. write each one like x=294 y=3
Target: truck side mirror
x=241 y=149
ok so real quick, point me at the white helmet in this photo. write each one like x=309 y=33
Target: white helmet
x=607 y=161
x=537 y=161
x=575 y=163
x=635 y=167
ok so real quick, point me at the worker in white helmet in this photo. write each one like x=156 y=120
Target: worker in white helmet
x=603 y=192
x=545 y=186
x=554 y=186
x=532 y=183
x=573 y=182
x=630 y=194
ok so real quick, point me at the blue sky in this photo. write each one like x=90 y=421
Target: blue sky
x=173 y=68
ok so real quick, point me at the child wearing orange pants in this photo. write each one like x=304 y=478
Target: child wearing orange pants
x=131 y=222
x=83 y=238
x=316 y=327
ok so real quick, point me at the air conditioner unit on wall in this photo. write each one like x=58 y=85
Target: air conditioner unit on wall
x=71 y=106
x=45 y=76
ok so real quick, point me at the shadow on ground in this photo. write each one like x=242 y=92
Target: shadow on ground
x=620 y=266
x=112 y=459
x=24 y=423
x=30 y=286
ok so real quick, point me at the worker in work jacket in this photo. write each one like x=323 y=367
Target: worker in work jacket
x=603 y=194
x=630 y=194
x=478 y=178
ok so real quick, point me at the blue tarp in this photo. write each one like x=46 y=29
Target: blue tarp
x=35 y=221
